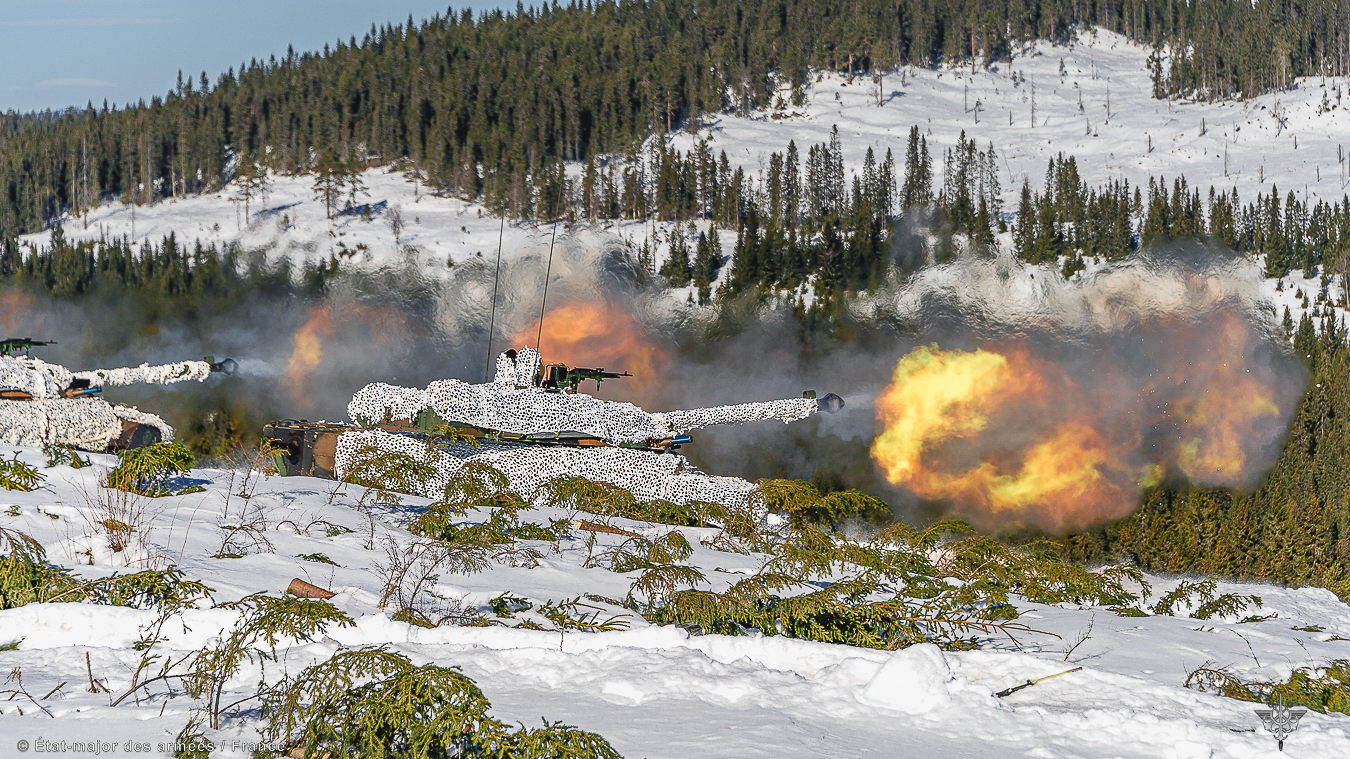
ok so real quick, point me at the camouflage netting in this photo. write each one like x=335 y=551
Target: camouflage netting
x=648 y=475
x=43 y=380
x=162 y=374
x=83 y=422
x=513 y=404
x=86 y=423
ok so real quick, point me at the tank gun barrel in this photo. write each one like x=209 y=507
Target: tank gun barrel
x=161 y=374
x=11 y=344
x=785 y=410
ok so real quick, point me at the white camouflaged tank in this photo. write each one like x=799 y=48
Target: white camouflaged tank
x=46 y=404
x=536 y=433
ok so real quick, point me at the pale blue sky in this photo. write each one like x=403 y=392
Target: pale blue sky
x=59 y=53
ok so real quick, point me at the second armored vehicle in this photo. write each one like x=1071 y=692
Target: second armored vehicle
x=46 y=404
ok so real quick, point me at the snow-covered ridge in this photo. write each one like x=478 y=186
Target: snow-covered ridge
x=1294 y=140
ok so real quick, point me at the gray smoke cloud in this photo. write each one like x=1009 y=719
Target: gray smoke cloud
x=1172 y=360
x=1110 y=332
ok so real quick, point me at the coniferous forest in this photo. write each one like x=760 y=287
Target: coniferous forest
x=489 y=108
x=1295 y=528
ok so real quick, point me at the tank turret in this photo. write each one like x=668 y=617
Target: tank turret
x=533 y=423
x=519 y=402
x=46 y=404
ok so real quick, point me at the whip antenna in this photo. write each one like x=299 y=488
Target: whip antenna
x=492 y=320
x=538 y=339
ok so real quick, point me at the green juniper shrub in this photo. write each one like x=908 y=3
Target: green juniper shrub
x=478 y=486
x=377 y=704
x=803 y=505
x=1206 y=603
x=26 y=577
x=893 y=588
x=889 y=588
x=319 y=558
x=508 y=604
x=263 y=623
x=149 y=470
x=58 y=454
x=191 y=742
x=16 y=475
x=1323 y=688
x=604 y=499
x=384 y=474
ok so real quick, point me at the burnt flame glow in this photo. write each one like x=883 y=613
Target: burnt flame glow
x=17 y=313
x=597 y=335
x=306 y=354
x=1009 y=438
x=324 y=324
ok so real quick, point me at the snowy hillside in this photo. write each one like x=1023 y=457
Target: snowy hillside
x=651 y=691
x=663 y=691
x=1093 y=100
x=1137 y=138
x=1099 y=109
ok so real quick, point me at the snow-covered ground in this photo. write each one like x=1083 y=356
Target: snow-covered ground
x=652 y=691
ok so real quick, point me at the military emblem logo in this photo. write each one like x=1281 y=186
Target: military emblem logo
x=1281 y=720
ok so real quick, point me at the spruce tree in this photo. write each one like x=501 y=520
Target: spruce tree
x=707 y=262
x=330 y=177
x=676 y=268
x=1024 y=233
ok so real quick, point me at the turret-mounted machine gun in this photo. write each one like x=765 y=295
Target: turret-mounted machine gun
x=568 y=378
x=11 y=344
x=46 y=404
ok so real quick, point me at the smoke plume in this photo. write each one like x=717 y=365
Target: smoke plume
x=980 y=386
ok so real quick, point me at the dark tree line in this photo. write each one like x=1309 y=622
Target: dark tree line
x=489 y=107
x=807 y=221
x=169 y=280
x=1068 y=221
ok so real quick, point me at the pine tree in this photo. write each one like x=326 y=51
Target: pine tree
x=330 y=177
x=885 y=203
x=251 y=181
x=835 y=158
x=1049 y=242
x=590 y=197
x=792 y=190
x=351 y=179
x=1024 y=233
x=676 y=268
x=707 y=262
x=918 y=185
x=746 y=258
x=983 y=231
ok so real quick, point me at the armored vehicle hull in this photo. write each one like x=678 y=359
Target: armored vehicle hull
x=530 y=431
